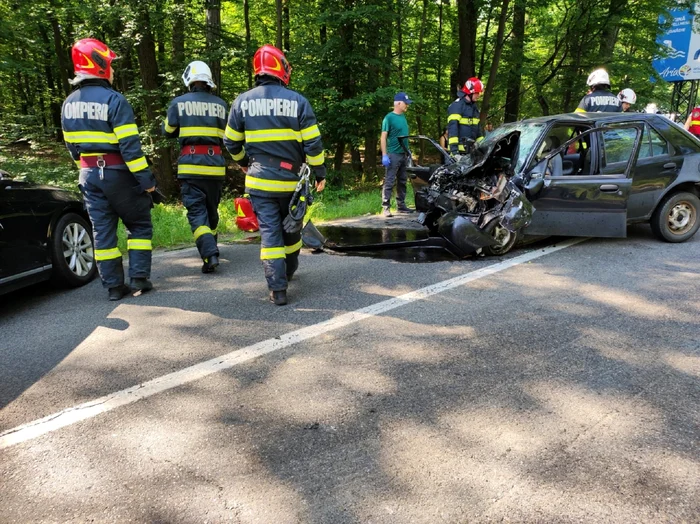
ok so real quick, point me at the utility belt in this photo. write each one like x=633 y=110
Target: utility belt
x=200 y=150
x=101 y=160
x=273 y=161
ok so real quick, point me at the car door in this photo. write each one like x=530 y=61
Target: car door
x=22 y=232
x=594 y=202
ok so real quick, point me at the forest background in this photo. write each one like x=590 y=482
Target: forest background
x=349 y=58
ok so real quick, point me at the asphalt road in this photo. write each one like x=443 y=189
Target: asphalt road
x=555 y=385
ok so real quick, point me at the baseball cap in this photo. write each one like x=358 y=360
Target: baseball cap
x=402 y=97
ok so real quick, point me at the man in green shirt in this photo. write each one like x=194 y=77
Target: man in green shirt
x=394 y=157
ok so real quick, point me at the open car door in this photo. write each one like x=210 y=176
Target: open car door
x=425 y=156
x=592 y=199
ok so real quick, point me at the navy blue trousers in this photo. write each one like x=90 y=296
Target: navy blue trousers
x=118 y=196
x=201 y=197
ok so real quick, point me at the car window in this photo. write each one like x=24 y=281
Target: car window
x=683 y=143
x=529 y=134
x=653 y=144
x=617 y=146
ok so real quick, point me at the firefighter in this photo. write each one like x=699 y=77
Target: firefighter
x=627 y=99
x=692 y=124
x=115 y=180
x=463 y=118
x=599 y=98
x=273 y=130
x=198 y=119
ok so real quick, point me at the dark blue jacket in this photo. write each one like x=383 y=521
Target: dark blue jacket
x=97 y=119
x=198 y=118
x=600 y=100
x=462 y=123
x=272 y=121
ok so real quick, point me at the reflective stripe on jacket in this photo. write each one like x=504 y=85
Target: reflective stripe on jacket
x=197 y=118
x=462 y=123
x=97 y=119
x=274 y=121
x=695 y=122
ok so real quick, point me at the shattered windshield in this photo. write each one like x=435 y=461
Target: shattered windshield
x=529 y=132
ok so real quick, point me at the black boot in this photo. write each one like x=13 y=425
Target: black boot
x=140 y=285
x=279 y=298
x=210 y=264
x=119 y=292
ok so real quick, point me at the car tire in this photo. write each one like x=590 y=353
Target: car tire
x=72 y=251
x=507 y=241
x=676 y=217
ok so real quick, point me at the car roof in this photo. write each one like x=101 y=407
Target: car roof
x=590 y=118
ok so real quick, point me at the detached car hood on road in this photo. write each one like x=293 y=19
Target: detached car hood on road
x=466 y=201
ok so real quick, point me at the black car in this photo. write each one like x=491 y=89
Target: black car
x=579 y=174
x=44 y=234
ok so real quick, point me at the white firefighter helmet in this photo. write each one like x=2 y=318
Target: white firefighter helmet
x=598 y=77
x=198 y=71
x=627 y=95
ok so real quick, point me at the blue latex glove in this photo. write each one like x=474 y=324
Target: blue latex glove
x=386 y=161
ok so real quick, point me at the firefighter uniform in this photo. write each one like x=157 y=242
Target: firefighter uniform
x=273 y=130
x=694 y=122
x=462 y=124
x=100 y=132
x=198 y=120
x=600 y=100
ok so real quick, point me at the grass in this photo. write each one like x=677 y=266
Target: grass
x=170 y=226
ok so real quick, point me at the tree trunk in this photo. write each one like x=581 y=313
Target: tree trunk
x=286 y=21
x=355 y=159
x=517 y=56
x=214 y=39
x=498 y=48
x=467 y=22
x=339 y=155
x=611 y=29
x=486 y=39
x=278 y=41
x=438 y=87
x=179 y=35
x=248 y=43
x=149 y=77
x=64 y=69
x=399 y=35
x=54 y=94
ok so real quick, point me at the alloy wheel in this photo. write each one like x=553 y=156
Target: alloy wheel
x=77 y=249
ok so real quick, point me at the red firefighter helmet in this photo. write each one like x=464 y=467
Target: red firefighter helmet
x=269 y=60
x=245 y=216
x=92 y=57
x=473 y=86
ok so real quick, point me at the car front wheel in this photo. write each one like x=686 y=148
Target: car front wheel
x=505 y=242
x=676 y=218
x=72 y=251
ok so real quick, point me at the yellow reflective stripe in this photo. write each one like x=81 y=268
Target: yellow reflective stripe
x=194 y=169
x=453 y=140
x=579 y=110
x=293 y=248
x=202 y=230
x=270 y=185
x=202 y=131
x=95 y=137
x=107 y=254
x=168 y=127
x=126 y=131
x=461 y=148
x=137 y=165
x=316 y=160
x=479 y=139
x=267 y=135
x=77 y=162
x=239 y=156
x=141 y=244
x=268 y=253
x=234 y=135
x=469 y=121
x=695 y=122
x=310 y=132
x=454 y=116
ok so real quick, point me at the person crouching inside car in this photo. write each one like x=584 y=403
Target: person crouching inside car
x=100 y=132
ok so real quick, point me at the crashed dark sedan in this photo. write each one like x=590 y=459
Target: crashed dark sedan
x=580 y=174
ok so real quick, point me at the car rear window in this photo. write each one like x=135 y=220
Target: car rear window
x=653 y=144
x=618 y=145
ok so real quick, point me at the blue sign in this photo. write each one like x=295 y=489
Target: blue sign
x=682 y=45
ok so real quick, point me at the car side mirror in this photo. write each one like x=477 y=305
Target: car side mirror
x=533 y=187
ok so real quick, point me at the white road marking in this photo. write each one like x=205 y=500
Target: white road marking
x=87 y=410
